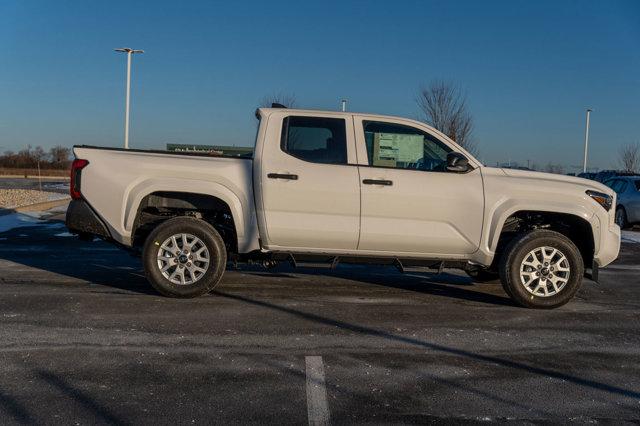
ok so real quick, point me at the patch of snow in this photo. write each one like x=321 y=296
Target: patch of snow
x=631 y=237
x=63 y=234
x=16 y=220
x=22 y=219
x=58 y=186
x=52 y=196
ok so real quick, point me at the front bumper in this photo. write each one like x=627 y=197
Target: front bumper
x=81 y=219
x=609 y=245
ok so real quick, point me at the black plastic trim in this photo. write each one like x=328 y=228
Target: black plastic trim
x=81 y=219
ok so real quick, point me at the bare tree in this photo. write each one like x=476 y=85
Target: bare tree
x=60 y=157
x=444 y=106
x=288 y=100
x=629 y=156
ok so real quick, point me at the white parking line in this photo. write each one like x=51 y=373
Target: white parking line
x=317 y=406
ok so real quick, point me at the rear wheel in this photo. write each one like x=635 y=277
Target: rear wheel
x=184 y=257
x=621 y=218
x=541 y=269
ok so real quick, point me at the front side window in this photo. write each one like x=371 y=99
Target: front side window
x=403 y=147
x=315 y=139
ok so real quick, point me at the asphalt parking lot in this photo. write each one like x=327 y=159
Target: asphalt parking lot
x=85 y=340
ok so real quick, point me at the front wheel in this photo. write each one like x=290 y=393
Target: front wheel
x=541 y=269
x=184 y=257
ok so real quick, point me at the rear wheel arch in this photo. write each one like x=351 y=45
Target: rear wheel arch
x=159 y=206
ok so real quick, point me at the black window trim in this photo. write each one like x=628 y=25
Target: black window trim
x=284 y=136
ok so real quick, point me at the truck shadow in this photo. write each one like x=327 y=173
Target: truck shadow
x=445 y=284
x=49 y=247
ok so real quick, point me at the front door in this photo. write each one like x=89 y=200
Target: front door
x=410 y=203
x=310 y=195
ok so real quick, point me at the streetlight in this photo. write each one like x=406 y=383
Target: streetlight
x=586 y=142
x=129 y=52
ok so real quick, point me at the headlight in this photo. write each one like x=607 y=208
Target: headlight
x=601 y=198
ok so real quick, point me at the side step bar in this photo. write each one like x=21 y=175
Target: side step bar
x=418 y=268
x=403 y=265
x=331 y=264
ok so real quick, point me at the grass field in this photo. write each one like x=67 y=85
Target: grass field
x=33 y=172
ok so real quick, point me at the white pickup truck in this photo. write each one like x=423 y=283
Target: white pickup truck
x=324 y=188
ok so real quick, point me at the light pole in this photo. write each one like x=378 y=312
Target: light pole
x=129 y=52
x=586 y=142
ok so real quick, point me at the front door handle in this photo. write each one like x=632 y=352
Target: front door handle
x=282 y=176
x=377 y=182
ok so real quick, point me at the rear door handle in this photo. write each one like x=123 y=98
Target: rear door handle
x=377 y=182
x=282 y=176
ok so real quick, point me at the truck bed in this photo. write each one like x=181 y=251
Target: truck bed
x=216 y=153
x=116 y=181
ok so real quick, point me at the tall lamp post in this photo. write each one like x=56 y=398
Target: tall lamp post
x=129 y=53
x=586 y=142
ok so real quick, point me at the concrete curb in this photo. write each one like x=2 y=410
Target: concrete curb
x=46 y=205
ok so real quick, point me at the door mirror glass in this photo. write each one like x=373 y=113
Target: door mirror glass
x=457 y=162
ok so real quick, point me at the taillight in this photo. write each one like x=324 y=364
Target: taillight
x=74 y=183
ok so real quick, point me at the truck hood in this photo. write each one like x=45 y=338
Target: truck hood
x=552 y=178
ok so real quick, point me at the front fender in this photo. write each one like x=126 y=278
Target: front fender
x=507 y=207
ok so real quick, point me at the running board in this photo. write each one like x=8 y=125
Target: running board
x=403 y=265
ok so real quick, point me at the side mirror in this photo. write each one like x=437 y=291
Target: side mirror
x=457 y=163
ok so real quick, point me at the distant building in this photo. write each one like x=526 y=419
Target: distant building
x=234 y=151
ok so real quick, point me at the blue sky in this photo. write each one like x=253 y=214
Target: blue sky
x=530 y=69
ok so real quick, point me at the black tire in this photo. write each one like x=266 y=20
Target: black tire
x=208 y=236
x=515 y=253
x=481 y=275
x=621 y=218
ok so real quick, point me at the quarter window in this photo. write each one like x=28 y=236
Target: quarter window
x=403 y=147
x=314 y=139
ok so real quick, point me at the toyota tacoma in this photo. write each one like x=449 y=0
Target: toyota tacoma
x=324 y=188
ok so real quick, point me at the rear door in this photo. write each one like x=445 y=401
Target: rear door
x=310 y=195
x=410 y=203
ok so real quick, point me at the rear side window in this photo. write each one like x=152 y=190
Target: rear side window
x=315 y=139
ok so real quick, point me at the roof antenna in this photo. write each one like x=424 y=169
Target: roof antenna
x=344 y=105
x=277 y=105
